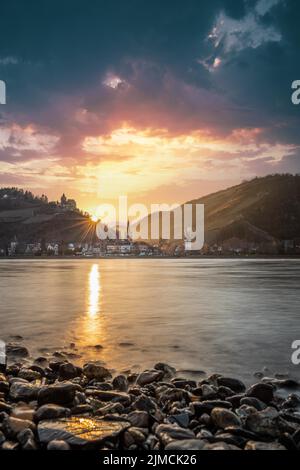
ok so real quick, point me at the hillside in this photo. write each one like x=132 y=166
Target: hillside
x=263 y=211
x=271 y=203
x=261 y=216
x=31 y=219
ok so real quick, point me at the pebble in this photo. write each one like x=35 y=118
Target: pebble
x=29 y=374
x=58 y=445
x=80 y=432
x=224 y=418
x=169 y=432
x=138 y=419
x=149 y=376
x=205 y=407
x=23 y=412
x=67 y=371
x=61 y=394
x=50 y=411
x=256 y=445
x=264 y=422
x=182 y=419
x=13 y=349
x=234 y=384
x=110 y=396
x=23 y=391
x=60 y=406
x=220 y=446
x=262 y=391
x=168 y=371
x=12 y=426
x=120 y=383
x=254 y=402
x=95 y=371
x=186 y=444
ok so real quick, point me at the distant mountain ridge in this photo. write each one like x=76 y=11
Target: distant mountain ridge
x=261 y=215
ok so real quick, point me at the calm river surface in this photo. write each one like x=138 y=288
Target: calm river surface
x=228 y=316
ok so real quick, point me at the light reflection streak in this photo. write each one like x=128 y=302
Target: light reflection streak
x=94 y=291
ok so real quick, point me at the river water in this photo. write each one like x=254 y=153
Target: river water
x=234 y=317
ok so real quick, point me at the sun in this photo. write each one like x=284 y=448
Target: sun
x=94 y=218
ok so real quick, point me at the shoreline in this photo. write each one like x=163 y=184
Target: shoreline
x=50 y=403
x=126 y=257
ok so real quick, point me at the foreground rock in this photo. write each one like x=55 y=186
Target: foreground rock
x=59 y=394
x=22 y=391
x=223 y=418
x=95 y=371
x=51 y=403
x=82 y=432
x=149 y=376
x=16 y=350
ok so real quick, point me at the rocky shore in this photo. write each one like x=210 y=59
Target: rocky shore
x=50 y=403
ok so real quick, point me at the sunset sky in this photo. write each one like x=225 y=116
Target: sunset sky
x=163 y=101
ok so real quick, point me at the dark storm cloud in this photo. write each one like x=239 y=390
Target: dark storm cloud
x=60 y=46
x=55 y=56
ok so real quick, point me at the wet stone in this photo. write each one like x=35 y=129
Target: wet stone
x=5 y=407
x=223 y=418
x=60 y=394
x=4 y=385
x=29 y=374
x=292 y=401
x=120 y=383
x=175 y=395
x=229 y=438
x=23 y=391
x=110 y=408
x=255 y=445
x=235 y=400
x=30 y=444
x=167 y=370
x=67 y=371
x=80 y=431
x=23 y=412
x=58 y=445
x=95 y=371
x=81 y=409
x=144 y=403
x=16 y=350
x=10 y=445
x=234 y=384
x=102 y=386
x=133 y=436
x=261 y=391
x=51 y=411
x=12 y=426
x=264 y=422
x=169 y=432
x=220 y=446
x=207 y=392
x=2 y=438
x=186 y=444
x=139 y=419
x=205 y=407
x=186 y=384
x=149 y=376
x=182 y=419
x=255 y=402
x=26 y=439
x=110 y=396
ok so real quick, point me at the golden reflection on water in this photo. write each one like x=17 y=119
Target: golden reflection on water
x=94 y=291
x=91 y=326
